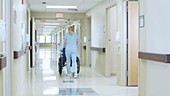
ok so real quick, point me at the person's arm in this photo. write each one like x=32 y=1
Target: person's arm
x=64 y=41
x=77 y=42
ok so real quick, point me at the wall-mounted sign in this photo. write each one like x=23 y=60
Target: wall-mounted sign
x=43 y=20
x=141 y=21
x=59 y=15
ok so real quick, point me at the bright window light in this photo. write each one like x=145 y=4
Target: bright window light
x=48 y=39
x=64 y=7
x=42 y=39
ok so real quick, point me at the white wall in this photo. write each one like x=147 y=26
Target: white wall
x=154 y=38
x=6 y=73
x=98 y=15
x=0 y=9
x=18 y=67
x=98 y=24
x=1 y=48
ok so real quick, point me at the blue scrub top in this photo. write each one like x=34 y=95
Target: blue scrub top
x=71 y=41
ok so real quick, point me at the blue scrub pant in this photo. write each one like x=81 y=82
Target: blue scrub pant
x=71 y=55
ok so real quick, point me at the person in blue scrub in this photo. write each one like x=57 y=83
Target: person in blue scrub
x=71 y=44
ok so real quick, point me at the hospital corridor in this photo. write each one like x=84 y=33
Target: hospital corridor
x=84 y=48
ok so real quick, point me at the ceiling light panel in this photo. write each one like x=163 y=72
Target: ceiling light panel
x=49 y=26
x=61 y=7
x=82 y=5
x=52 y=24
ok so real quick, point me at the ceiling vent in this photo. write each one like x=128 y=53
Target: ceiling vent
x=44 y=3
x=73 y=9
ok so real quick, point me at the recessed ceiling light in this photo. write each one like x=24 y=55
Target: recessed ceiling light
x=63 y=7
x=73 y=9
x=44 y=2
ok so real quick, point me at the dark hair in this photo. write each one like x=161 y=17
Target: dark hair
x=70 y=28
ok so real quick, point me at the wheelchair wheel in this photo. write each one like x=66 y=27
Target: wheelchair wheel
x=78 y=65
x=60 y=66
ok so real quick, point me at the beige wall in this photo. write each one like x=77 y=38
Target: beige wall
x=98 y=33
x=100 y=38
x=47 y=45
x=117 y=45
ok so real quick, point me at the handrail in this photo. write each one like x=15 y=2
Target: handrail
x=98 y=49
x=21 y=52
x=84 y=47
x=2 y=62
x=165 y=58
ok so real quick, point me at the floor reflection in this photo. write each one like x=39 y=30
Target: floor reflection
x=77 y=92
x=44 y=80
x=51 y=91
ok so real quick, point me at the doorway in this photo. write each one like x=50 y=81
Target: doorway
x=87 y=40
x=113 y=40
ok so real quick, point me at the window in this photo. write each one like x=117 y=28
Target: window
x=45 y=39
x=48 y=39
x=42 y=39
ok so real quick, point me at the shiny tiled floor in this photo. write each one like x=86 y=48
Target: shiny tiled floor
x=44 y=80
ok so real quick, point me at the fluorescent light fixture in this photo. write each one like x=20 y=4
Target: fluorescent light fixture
x=62 y=7
x=52 y=24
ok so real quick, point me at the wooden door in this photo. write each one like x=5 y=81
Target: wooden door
x=132 y=43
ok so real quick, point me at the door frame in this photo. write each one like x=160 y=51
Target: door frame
x=88 y=42
x=31 y=43
x=124 y=45
x=107 y=66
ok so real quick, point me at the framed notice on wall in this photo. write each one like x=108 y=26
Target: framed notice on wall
x=141 y=21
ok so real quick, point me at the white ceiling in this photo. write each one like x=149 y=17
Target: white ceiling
x=43 y=28
x=82 y=5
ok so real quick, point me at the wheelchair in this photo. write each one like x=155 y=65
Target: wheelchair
x=62 y=62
